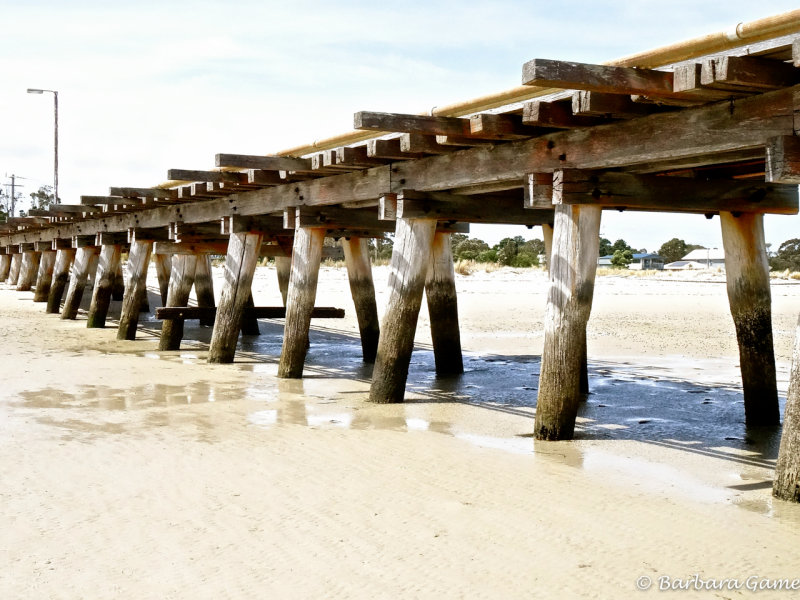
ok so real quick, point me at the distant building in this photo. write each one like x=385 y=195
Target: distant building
x=642 y=261
x=702 y=258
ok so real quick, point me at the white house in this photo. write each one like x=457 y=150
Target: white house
x=702 y=258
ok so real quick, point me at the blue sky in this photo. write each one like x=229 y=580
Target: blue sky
x=148 y=86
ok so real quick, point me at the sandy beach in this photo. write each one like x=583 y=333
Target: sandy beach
x=128 y=472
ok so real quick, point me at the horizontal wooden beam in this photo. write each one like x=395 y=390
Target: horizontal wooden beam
x=596 y=78
x=134 y=192
x=389 y=149
x=332 y=217
x=259 y=312
x=616 y=106
x=748 y=73
x=501 y=127
x=556 y=115
x=625 y=191
x=469 y=209
x=402 y=123
x=215 y=176
x=264 y=163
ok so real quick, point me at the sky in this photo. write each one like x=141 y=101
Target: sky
x=149 y=86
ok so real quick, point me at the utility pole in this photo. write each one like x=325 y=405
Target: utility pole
x=14 y=186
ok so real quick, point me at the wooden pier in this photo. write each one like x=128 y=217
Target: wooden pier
x=712 y=133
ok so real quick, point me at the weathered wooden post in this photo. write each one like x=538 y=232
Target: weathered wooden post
x=44 y=278
x=306 y=258
x=29 y=269
x=135 y=287
x=576 y=239
x=118 y=288
x=163 y=272
x=440 y=290
x=249 y=319
x=362 y=288
x=547 y=236
x=77 y=280
x=16 y=264
x=786 y=484
x=240 y=265
x=204 y=287
x=283 y=266
x=5 y=265
x=91 y=275
x=182 y=277
x=64 y=259
x=747 y=273
x=409 y=268
x=106 y=276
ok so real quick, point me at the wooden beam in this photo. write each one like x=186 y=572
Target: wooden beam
x=786 y=483
x=16 y=265
x=204 y=287
x=469 y=209
x=539 y=191
x=672 y=194
x=5 y=266
x=501 y=127
x=783 y=159
x=44 y=277
x=615 y=106
x=605 y=79
x=389 y=149
x=748 y=73
x=421 y=143
x=403 y=123
x=264 y=163
x=28 y=270
x=596 y=78
x=214 y=176
x=134 y=192
x=555 y=115
x=333 y=217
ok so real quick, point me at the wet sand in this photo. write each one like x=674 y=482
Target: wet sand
x=128 y=472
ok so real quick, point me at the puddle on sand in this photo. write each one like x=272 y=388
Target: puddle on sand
x=639 y=426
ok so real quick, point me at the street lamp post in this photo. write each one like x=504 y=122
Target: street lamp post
x=55 y=144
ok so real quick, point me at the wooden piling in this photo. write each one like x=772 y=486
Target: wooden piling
x=249 y=319
x=240 y=264
x=64 y=259
x=118 y=289
x=28 y=270
x=16 y=264
x=306 y=257
x=573 y=265
x=77 y=281
x=135 y=288
x=91 y=274
x=409 y=267
x=747 y=274
x=182 y=277
x=362 y=288
x=204 y=287
x=283 y=265
x=5 y=266
x=440 y=290
x=786 y=484
x=44 y=278
x=163 y=272
x=108 y=264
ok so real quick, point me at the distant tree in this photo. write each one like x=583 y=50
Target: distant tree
x=381 y=248
x=621 y=245
x=487 y=256
x=508 y=248
x=534 y=246
x=456 y=239
x=673 y=250
x=469 y=248
x=42 y=198
x=787 y=256
x=605 y=247
x=622 y=258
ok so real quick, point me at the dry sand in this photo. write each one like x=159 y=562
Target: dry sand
x=125 y=472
